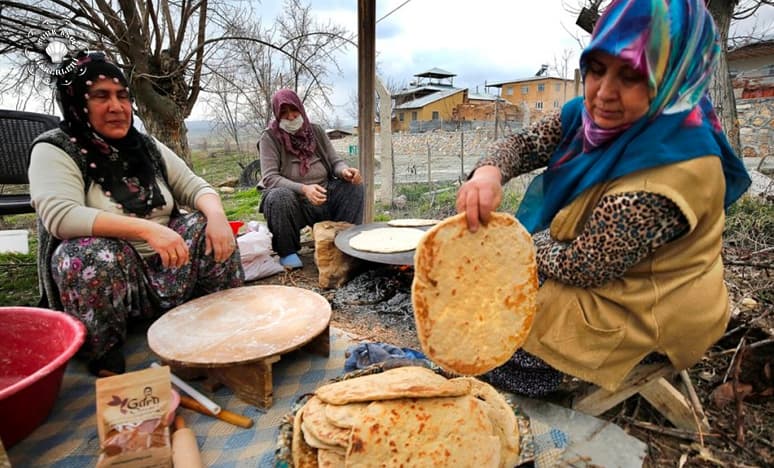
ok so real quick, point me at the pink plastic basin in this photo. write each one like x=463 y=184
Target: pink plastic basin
x=35 y=346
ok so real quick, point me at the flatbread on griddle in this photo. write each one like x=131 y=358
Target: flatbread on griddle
x=387 y=239
x=474 y=294
x=412 y=222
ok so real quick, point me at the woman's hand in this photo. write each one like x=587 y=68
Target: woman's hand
x=316 y=194
x=168 y=244
x=218 y=236
x=352 y=176
x=480 y=195
x=219 y=239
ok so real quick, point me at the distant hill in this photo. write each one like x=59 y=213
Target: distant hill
x=199 y=129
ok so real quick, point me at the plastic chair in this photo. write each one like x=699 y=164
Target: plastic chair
x=17 y=131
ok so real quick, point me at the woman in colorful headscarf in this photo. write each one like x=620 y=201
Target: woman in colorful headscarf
x=304 y=179
x=119 y=250
x=629 y=213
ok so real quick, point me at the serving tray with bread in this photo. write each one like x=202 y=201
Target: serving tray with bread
x=405 y=416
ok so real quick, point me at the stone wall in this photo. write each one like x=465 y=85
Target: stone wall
x=756 y=127
x=756 y=121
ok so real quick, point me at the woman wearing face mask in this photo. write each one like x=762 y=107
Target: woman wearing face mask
x=629 y=212
x=304 y=179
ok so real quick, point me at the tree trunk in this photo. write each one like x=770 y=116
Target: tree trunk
x=721 y=89
x=162 y=104
x=170 y=130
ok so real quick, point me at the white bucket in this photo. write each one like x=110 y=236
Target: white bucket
x=14 y=240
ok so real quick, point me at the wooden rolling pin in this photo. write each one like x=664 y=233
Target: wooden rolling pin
x=224 y=415
x=185 y=450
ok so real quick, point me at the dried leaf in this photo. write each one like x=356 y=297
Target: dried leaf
x=724 y=394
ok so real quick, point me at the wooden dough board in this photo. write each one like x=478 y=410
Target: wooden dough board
x=232 y=337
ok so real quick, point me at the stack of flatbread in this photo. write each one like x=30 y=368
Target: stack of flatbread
x=474 y=294
x=409 y=416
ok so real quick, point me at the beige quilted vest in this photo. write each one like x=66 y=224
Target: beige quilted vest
x=674 y=302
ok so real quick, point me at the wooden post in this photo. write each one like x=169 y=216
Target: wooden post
x=385 y=117
x=366 y=53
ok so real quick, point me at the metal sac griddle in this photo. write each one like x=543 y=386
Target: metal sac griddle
x=397 y=258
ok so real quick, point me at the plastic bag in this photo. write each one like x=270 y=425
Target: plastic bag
x=256 y=254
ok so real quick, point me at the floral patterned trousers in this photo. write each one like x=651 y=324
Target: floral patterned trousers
x=107 y=285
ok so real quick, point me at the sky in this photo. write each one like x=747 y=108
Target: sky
x=478 y=40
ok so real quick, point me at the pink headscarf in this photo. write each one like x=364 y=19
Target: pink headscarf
x=303 y=142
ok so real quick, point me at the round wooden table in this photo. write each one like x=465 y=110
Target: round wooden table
x=233 y=336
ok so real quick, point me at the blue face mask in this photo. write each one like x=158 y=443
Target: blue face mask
x=292 y=126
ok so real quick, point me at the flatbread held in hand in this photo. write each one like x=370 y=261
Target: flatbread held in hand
x=474 y=294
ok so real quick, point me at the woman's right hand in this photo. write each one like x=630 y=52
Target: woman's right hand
x=480 y=195
x=169 y=245
x=315 y=193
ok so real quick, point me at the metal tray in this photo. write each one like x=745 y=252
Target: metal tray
x=397 y=258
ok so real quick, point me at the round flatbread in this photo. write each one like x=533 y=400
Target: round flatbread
x=402 y=382
x=387 y=240
x=322 y=430
x=474 y=294
x=504 y=422
x=452 y=431
x=329 y=459
x=412 y=222
x=304 y=456
x=344 y=416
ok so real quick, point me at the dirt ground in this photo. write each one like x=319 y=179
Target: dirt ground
x=741 y=420
x=396 y=329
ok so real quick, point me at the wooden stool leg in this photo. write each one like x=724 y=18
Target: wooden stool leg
x=321 y=344
x=597 y=400
x=251 y=383
x=673 y=405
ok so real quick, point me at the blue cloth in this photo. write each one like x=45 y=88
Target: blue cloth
x=675 y=48
x=365 y=354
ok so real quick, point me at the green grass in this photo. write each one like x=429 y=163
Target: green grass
x=242 y=205
x=219 y=168
x=18 y=279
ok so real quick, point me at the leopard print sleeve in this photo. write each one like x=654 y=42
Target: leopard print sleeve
x=525 y=150
x=622 y=230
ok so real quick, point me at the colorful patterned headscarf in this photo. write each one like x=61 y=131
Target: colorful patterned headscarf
x=123 y=167
x=302 y=143
x=674 y=43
